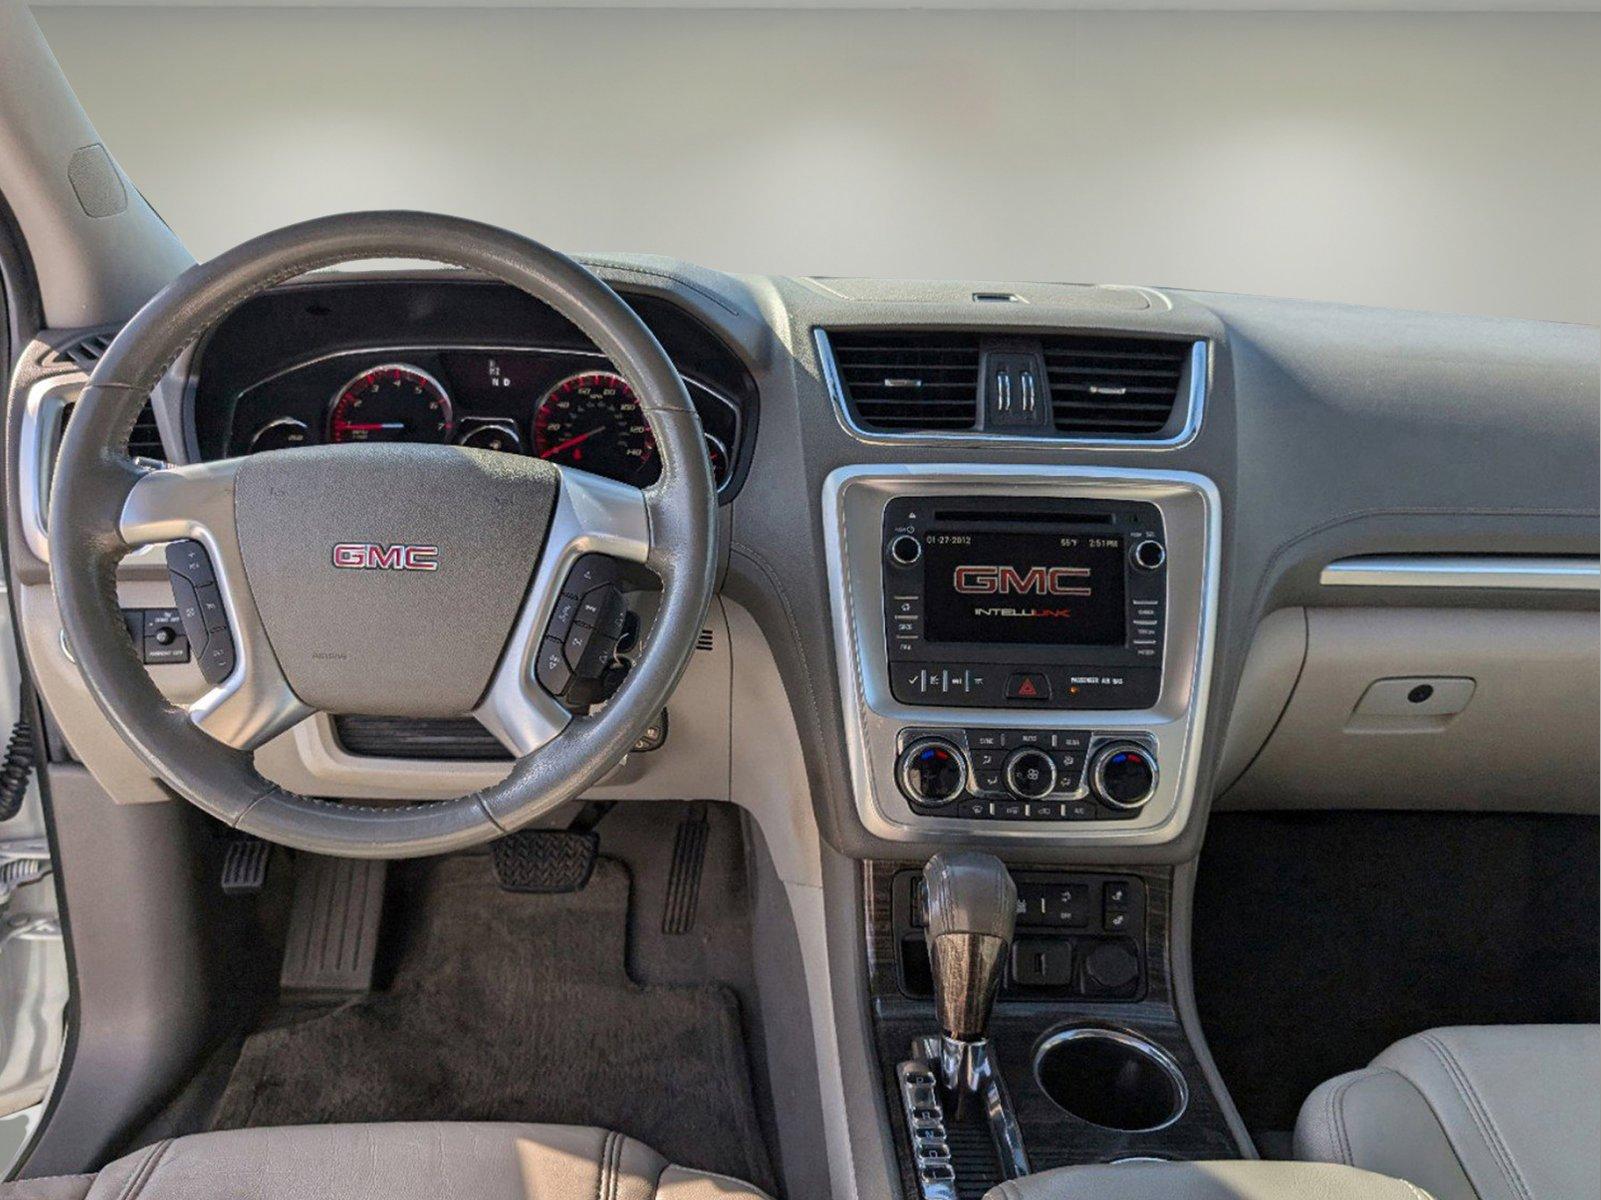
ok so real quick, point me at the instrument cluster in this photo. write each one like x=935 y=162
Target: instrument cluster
x=568 y=406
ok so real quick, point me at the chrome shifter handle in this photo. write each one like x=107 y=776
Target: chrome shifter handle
x=972 y=911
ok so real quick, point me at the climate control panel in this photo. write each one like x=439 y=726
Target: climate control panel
x=1026 y=774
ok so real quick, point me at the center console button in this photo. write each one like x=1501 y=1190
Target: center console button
x=1030 y=774
x=1028 y=685
x=932 y=771
x=1123 y=775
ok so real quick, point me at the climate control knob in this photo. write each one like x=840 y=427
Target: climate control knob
x=1123 y=774
x=932 y=771
x=1030 y=774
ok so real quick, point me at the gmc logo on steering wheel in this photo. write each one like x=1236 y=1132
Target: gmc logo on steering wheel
x=369 y=556
x=1036 y=581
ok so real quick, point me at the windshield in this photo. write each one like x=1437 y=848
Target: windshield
x=1443 y=161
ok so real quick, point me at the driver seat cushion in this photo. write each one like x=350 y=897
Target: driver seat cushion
x=417 y=1161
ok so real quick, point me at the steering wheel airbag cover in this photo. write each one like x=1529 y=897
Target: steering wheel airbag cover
x=382 y=640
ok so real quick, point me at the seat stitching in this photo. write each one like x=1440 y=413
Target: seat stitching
x=600 y=1166
x=616 y=1166
x=1481 y=1116
x=145 y=1169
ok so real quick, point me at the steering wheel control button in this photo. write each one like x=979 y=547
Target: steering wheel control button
x=1028 y=685
x=1030 y=774
x=188 y=558
x=551 y=669
x=1123 y=775
x=561 y=616
x=932 y=772
x=217 y=659
x=200 y=611
x=212 y=611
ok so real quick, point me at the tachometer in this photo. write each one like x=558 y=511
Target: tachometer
x=395 y=402
x=593 y=422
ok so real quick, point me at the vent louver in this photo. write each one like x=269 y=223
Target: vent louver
x=145 y=440
x=83 y=353
x=1113 y=386
x=900 y=382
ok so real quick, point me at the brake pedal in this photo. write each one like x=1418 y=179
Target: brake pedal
x=545 y=861
x=333 y=924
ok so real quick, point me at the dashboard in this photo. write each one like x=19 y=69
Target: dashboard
x=451 y=361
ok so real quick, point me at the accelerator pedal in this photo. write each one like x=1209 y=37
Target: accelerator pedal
x=333 y=925
x=545 y=861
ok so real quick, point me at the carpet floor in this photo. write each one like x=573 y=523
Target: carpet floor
x=507 y=1007
x=1320 y=938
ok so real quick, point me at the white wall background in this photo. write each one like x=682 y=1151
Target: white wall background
x=1439 y=161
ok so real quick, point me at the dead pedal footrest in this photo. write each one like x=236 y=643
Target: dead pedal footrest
x=544 y=860
x=333 y=924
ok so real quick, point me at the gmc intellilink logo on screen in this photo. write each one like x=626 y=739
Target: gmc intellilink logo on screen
x=984 y=580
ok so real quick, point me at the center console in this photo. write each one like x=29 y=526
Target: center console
x=1023 y=650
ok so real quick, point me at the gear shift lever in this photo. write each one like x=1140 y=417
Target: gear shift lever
x=972 y=911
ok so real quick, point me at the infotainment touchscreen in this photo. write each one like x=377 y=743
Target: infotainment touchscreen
x=1023 y=588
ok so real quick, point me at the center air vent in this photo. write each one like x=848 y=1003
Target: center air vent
x=1018 y=383
x=1113 y=386
x=901 y=382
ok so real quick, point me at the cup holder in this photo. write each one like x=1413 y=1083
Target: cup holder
x=1111 y=1078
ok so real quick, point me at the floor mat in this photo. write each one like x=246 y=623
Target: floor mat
x=511 y=1007
x=1320 y=938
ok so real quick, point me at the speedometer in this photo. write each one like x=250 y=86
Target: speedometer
x=593 y=422
x=395 y=402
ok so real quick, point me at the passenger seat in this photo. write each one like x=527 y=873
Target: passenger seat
x=1470 y=1113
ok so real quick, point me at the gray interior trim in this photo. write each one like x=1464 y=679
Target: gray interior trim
x=1465 y=571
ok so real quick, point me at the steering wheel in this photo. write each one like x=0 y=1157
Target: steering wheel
x=382 y=579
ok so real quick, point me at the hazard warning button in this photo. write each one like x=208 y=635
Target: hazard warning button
x=1028 y=685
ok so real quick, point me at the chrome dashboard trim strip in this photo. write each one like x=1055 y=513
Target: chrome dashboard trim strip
x=1486 y=571
x=853 y=500
x=1199 y=374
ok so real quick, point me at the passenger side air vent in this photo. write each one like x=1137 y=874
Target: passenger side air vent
x=900 y=382
x=1113 y=386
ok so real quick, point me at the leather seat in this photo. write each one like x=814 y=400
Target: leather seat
x=1205 y=1181
x=423 y=1161
x=1470 y=1113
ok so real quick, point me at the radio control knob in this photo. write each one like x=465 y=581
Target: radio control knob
x=1123 y=774
x=1030 y=774
x=932 y=771
x=905 y=549
x=1148 y=554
